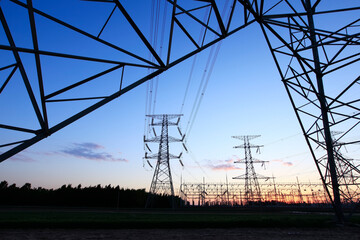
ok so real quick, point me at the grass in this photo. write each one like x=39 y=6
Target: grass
x=55 y=218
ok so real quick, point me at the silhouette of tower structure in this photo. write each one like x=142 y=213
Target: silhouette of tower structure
x=347 y=169
x=309 y=54
x=161 y=183
x=252 y=187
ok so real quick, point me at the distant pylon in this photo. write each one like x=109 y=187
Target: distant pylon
x=252 y=188
x=348 y=172
x=162 y=181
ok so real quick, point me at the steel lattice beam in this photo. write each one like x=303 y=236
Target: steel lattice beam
x=306 y=55
x=308 y=52
x=45 y=100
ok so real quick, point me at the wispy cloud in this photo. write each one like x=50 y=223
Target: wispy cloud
x=89 y=145
x=288 y=164
x=222 y=165
x=91 y=151
x=21 y=157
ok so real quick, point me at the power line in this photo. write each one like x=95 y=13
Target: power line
x=202 y=87
x=205 y=78
x=193 y=65
x=152 y=85
x=283 y=139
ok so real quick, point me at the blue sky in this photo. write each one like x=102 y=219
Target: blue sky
x=244 y=97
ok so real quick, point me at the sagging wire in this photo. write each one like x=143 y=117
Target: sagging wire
x=205 y=78
x=152 y=85
x=202 y=87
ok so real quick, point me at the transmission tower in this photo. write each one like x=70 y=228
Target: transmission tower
x=347 y=169
x=316 y=61
x=162 y=183
x=252 y=187
x=315 y=47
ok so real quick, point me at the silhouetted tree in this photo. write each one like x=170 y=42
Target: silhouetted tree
x=66 y=195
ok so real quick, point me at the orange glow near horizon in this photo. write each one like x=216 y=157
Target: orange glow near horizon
x=223 y=194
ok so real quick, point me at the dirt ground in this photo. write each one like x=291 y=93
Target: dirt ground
x=347 y=233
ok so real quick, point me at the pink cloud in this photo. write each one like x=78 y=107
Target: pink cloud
x=223 y=165
x=277 y=160
x=21 y=158
x=230 y=160
x=288 y=164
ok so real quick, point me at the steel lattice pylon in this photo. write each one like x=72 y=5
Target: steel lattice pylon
x=315 y=46
x=308 y=51
x=162 y=183
x=252 y=187
x=347 y=170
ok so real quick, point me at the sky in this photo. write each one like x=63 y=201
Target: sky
x=244 y=96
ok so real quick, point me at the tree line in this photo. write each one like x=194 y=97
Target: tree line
x=69 y=196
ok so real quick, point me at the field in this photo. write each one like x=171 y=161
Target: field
x=67 y=223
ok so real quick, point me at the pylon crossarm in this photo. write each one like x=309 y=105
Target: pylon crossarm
x=248 y=146
x=159 y=124
x=153 y=156
x=246 y=137
x=241 y=177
